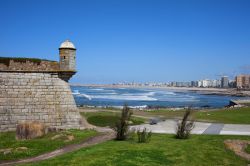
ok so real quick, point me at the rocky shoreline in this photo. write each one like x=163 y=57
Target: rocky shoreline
x=224 y=93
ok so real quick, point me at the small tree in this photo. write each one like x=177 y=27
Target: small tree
x=122 y=125
x=144 y=135
x=185 y=126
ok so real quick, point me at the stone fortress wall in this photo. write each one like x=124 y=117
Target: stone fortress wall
x=25 y=64
x=34 y=90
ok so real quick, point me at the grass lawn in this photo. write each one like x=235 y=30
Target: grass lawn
x=39 y=145
x=199 y=150
x=234 y=116
x=164 y=113
x=107 y=118
x=225 y=115
x=248 y=149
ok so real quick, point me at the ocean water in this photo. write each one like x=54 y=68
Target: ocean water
x=139 y=97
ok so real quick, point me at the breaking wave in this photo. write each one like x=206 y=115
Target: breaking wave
x=125 y=97
x=133 y=107
x=75 y=92
x=98 y=89
x=117 y=97
x=85 y=96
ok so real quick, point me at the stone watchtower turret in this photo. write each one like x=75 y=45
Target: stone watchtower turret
x=67 y=53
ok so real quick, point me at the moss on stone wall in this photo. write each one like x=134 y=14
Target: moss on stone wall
x=6 y=60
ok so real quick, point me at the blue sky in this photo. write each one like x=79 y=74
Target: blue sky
x=132 y=40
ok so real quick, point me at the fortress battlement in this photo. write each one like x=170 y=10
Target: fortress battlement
x=38 y=90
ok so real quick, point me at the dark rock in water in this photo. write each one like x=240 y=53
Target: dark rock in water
x=205 y=106
x=156 y=107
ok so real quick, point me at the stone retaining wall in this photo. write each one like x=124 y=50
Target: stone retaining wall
x=42 y=97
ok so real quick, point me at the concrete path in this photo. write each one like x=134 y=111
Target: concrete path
x=214 y=129
x=169 y=126
x=89 y=142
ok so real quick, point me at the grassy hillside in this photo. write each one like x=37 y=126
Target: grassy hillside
x=107 y=118
x=39 y=145
x=200 y=150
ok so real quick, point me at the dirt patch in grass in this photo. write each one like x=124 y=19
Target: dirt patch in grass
x=238 y=147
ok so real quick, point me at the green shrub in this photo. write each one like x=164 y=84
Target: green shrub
x=248 y=149
x=144 y=135
x=185 y=126
x=122 y=126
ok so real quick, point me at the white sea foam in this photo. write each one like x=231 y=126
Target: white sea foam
x=152 y=93
x=85 y=96
x=118 y=97
x=111 y=93
x=125 y=97
x=75 y=92
x=98 y=89
x=166 y=93
x=139 y=106
x=139 y=94
x=133 y=107
x=145 y=94
x=170 y=93
x=160 y=92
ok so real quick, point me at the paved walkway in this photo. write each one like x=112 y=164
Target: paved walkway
x=214 y=129
x=169 y=126
x=89 y=142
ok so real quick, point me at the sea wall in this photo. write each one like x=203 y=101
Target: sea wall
x=34 y=96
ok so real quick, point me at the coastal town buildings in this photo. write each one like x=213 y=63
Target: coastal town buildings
x=232 y=84
x=224 y=82
x=194 y=83
x=216 y=83
x=206 y=83
x=183 y=84
x=242 y=81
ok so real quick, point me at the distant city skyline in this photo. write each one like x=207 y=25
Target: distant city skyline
x=133 y=40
